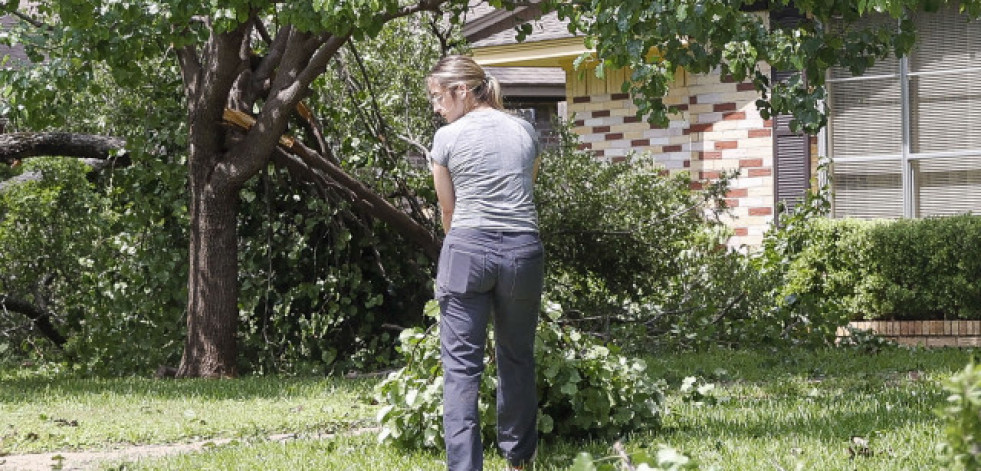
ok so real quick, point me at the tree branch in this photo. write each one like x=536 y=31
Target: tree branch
x=26 y=18
x=323 y=171
x=21 y=145
x=367 y=199
x=40 y=318
x=269 y=63
x=624 y=457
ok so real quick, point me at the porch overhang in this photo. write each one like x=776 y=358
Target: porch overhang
x=548 y=53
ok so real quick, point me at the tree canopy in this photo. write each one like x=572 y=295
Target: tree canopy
x=225 y=91
x=654 y=39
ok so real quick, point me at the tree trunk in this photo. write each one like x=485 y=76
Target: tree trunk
x=212 y=299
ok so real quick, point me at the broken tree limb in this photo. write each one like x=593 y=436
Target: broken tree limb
x=98 y=152
x=21 y=145
x=359 y=193
x=624 y=457
x=40 y=318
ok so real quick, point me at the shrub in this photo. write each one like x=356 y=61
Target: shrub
x=927 y=268
x=962 y=419
x=48 y=229
x=835 y=270
x=636 y=253
x=584 y=388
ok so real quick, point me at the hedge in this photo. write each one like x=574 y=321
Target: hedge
x=900 y=270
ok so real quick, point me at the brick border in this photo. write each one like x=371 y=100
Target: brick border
x=923 y=333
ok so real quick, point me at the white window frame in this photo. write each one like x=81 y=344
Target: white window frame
x=906 y=158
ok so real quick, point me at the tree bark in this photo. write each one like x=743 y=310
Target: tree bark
x=212 y=287
x=217 y=173
x=98 y=152
x=21 y=145
x=210 y=349
x=40 y=318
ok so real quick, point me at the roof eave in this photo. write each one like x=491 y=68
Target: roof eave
x=548 y=53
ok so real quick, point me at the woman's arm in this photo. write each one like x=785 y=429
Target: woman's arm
x=445 y=194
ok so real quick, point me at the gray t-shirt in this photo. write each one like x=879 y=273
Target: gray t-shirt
x=491 y=156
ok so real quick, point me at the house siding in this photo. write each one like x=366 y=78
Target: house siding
x=718 y=129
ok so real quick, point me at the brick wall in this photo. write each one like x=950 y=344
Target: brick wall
x=923 y=333
x=718 y=129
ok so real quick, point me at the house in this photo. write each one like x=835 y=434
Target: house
x=905 y=137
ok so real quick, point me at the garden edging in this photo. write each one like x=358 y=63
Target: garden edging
x=923 y=333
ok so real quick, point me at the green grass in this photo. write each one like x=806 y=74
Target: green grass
x=801 y=410
x=47 y=412
x=780 y=410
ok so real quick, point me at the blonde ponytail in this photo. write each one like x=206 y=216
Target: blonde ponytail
x=492 y=93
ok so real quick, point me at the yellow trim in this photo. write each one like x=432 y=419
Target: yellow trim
x=550 y=53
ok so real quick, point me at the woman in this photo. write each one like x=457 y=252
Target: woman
x=484 y=164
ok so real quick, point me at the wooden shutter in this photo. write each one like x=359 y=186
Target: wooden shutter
x=791 y=151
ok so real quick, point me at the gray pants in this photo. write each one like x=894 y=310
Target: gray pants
x=483 y=273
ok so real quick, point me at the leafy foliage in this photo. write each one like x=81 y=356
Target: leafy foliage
x=584 y=388
x=654 y=39
x=865 y=340
x=926 y=268
x=635 y=252
x=804 y=308
x=318 y=279
x=962 y=419
x=665 y=458
x=47 y=231
x=831 y=271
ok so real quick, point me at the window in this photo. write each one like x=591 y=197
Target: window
x=905 y=137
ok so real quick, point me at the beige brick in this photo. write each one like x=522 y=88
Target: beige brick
x=944 y=341
x=748 y=240
x=754 y=143
x=630 y=133
x=968 y=341
x=742 y=124
x=909 y=341
x=878 y=326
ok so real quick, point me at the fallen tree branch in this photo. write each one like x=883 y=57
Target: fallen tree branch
x=624 y=457
x=40 y=318
x=21 y=145
x=359 y=193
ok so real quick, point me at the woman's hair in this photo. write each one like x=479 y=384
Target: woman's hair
x=453 y=71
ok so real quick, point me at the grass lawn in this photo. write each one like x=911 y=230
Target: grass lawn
x=787 y=410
